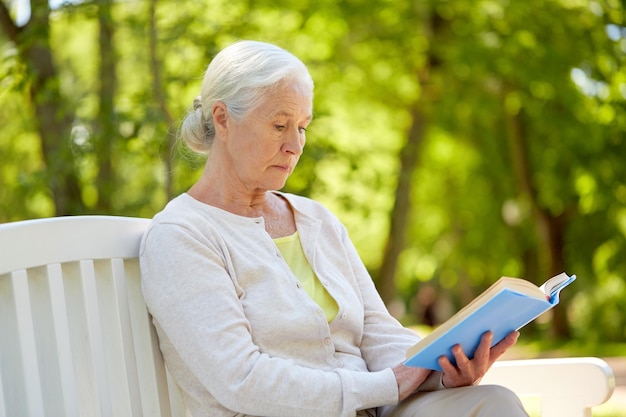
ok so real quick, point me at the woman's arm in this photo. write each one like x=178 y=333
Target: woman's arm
x=197 y=305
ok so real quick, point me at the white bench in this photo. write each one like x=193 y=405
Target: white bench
x=76 y=338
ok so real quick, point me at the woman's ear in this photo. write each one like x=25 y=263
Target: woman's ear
x=220 y=119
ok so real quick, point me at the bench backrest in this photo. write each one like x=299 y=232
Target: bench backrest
x=75 y=336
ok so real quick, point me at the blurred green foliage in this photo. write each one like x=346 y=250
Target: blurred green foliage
x=524 y=118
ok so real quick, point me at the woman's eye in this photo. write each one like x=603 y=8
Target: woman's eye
x=280 y=127
x=302 y=129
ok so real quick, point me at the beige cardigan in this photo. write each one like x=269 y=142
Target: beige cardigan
x=240 y=335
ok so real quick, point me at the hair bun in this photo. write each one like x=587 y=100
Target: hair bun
x=197 y=103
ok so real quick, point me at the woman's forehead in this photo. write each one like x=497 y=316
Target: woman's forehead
x=288 y=101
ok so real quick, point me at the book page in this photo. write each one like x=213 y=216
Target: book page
x=552 y=286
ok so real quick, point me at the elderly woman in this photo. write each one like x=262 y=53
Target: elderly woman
x=261 y=303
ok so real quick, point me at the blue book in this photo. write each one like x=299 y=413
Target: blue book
x=508 y=305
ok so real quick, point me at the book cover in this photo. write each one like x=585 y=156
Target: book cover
x=501 y=309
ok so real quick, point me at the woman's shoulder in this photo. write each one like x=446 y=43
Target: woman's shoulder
x=187 y=219
x=184 y=209
x=185 y=212
x=178 y=210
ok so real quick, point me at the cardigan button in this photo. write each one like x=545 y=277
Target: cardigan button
x=327 y=341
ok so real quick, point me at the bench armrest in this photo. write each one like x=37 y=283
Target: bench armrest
x=566 y=386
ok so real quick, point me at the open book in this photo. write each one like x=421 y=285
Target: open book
x=506 y=306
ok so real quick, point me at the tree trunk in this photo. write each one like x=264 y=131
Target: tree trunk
x=550 y=228
x=400 y=214
x=105 y=135
x=53 y=114
x=409 y=158
x=161 y=101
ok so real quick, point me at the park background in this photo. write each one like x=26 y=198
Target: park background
x=458 y=141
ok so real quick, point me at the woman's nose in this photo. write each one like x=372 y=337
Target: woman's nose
x=294 y=143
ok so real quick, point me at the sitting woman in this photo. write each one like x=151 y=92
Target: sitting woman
x=261 y=302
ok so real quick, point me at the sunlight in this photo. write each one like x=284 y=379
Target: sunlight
x=589 y=86
x=22 y=9
x=615 y=32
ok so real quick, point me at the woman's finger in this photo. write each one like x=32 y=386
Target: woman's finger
x=502 y=346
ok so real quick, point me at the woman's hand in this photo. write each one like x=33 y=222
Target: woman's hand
x=409 y=378
x=469 y=372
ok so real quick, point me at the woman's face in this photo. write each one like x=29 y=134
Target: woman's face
x=264 y=148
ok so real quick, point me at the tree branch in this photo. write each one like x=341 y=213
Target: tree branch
x=11 y=30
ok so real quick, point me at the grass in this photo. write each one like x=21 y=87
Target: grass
x=606 y=410
x=533 y=407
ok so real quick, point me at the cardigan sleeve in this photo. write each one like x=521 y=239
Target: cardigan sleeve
x=203 y=328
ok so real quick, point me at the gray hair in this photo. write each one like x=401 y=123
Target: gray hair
x=239 y=76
